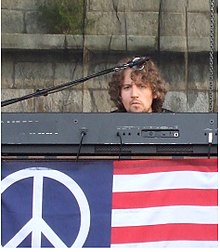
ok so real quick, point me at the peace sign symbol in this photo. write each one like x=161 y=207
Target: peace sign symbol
x=36 y=225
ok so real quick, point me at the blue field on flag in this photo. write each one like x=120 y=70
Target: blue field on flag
x=54 y=200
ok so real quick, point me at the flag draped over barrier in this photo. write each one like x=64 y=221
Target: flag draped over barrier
x=136 y=203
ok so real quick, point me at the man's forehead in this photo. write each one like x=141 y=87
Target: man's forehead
x=133 y=75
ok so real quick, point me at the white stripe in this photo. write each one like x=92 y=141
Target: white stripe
x=169 y=244
x=165 y=180
x=163 y=215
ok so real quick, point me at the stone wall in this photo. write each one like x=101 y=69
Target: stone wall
x=175 y=33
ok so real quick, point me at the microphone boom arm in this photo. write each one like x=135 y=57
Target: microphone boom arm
x=50 y=90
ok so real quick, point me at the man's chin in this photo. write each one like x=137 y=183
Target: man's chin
x=136 y=110
x=139 y=109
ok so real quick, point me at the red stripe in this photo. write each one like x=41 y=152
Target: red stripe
x=165 y=232
x=200 y=197
x=152 y=166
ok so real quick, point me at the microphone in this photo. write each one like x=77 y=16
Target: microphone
x=138 y=63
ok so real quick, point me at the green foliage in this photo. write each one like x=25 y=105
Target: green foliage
x=62 y=16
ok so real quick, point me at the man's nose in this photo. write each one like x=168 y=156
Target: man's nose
x=134 y=91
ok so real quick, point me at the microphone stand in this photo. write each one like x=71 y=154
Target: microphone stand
x=50 y=90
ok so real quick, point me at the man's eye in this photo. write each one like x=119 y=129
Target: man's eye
x=142 y=85
x=126 y=87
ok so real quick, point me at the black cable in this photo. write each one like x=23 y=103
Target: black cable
x=121 y=143
x=83 y=133
x=209 y=150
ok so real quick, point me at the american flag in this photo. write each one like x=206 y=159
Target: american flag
x=118 y=204
x=165 y=203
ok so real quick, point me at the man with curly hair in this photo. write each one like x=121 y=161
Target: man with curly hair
x=139 y=89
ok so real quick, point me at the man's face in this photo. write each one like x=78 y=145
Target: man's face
x=136 y=96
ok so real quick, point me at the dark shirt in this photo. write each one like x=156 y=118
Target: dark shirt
x=123 y=110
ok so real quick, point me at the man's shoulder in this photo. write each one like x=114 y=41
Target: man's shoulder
x=118 y=111
x=166 y=110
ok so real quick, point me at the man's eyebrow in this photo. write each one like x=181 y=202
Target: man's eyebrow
x=136 y=83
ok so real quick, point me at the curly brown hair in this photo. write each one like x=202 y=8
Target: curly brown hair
x=149 y=74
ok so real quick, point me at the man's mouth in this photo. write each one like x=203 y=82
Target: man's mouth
x=135 y=103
